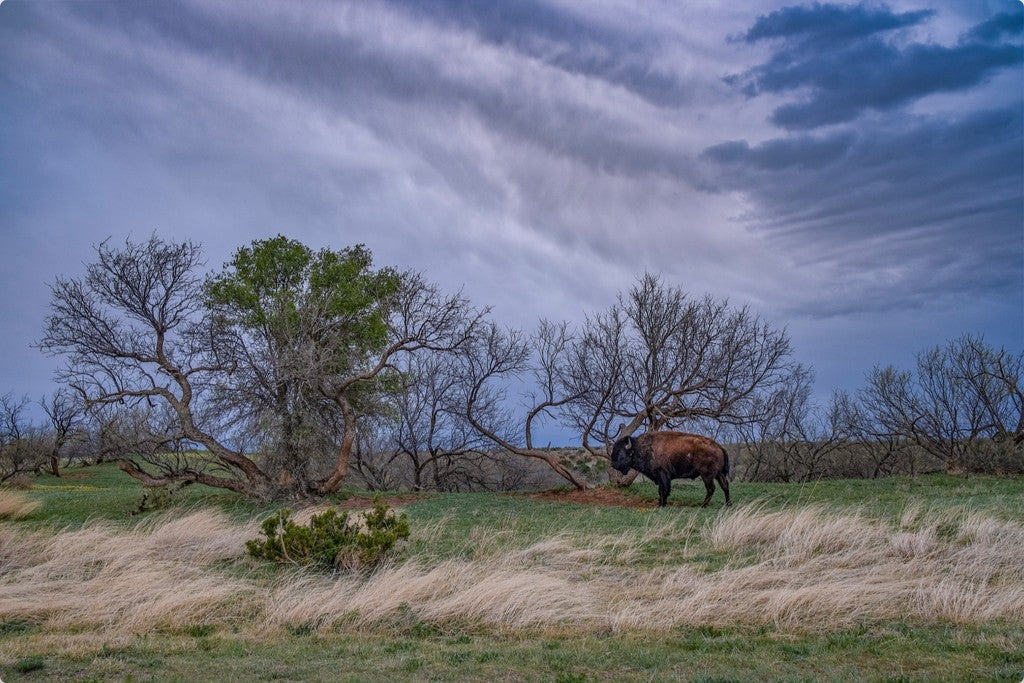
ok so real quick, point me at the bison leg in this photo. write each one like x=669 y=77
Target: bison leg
x=723 y=481
x=664 y=488
x=709 y=484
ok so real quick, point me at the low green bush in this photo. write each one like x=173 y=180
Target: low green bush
x=154 y=498
x=331 y=541
x=29 y=664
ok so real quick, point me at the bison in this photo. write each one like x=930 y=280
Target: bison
x=664 y=456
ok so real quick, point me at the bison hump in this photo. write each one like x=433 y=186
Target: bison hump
x=680 y=441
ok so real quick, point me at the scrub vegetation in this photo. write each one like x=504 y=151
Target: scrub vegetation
x=845 y=579
x=291 y=372
x=305 y=466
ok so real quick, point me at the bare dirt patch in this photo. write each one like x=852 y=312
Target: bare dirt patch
x=600 y=496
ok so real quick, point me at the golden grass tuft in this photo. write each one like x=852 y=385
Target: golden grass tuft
x=452 y=592
x=127 y=581
x=14 y=505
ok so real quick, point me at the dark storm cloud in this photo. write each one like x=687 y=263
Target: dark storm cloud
x=824 y=25
x=541 y=152
x=862 y=69
x=1010 y=24
x=936 y=201
x=774 y=155
x=903 y=207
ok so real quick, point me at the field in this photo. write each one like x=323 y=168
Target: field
x=894 y=579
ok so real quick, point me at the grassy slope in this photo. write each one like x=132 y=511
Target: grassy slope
x=419 y=651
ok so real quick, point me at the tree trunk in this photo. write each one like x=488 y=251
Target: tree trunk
x=333 y=482
x=553 y=462
x=621 y=480
x=417 y=475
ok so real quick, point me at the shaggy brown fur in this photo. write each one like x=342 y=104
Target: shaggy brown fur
x=664 y=456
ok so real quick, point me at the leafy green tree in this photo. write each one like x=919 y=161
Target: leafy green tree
x=287 y=318
x=312 y=336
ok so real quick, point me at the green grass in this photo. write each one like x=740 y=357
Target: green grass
x=891 y=652
x=879 y=497
x=104 y=492
x=467 y=525
x=521 y=520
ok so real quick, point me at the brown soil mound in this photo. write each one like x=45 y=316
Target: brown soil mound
x=601 y=496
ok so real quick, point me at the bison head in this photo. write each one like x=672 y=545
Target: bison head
x=622 y=454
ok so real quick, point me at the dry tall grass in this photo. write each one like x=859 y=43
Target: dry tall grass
x=806 y=568
x=154 y=576
x=14 y=505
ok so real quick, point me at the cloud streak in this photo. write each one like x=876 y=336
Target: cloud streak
x=541 y=153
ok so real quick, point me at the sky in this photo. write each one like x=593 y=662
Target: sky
x=852 y=172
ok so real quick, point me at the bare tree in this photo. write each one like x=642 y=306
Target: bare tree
x=132 y=333
x=102 y=435
x=962 y=403
x=817 y=436
x=65 y=412
x=661 y=359
x=996 y=378
x=375 y=461
x=764 y=437
x=23 y=446
x=430 y=431
x=871 y=450
x=790 y=438
x=656 y=359
x=495 y=357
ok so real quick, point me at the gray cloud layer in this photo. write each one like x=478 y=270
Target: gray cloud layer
x=821 y=161
x=911 y=234
x=903 y=207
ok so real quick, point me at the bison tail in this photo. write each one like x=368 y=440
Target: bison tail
x=725 y=462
